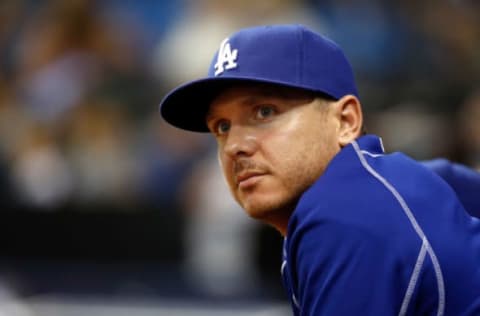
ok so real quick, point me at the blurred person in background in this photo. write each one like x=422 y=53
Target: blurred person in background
x=41 y=174
x=99 y=148
x=56 y=59
x=74 y=74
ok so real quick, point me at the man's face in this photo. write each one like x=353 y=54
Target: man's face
x=273 y=143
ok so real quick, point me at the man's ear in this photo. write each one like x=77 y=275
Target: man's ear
x=349 y=114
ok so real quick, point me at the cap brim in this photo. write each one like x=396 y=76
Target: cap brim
x=186 y=106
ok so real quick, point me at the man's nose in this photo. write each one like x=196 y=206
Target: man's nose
x=241 y=141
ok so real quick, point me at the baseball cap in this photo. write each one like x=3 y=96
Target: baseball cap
x=286 y=55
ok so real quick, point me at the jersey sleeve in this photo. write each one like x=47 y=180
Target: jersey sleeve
x=345 y=271
x=463 y=180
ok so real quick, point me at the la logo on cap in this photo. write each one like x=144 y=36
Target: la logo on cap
x=226 y=58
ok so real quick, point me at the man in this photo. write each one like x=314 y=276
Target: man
x=366 y=233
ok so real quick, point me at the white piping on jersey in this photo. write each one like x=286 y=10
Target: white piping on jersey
x=416 y=227
x=282 y=271
x=370 y=154
x=294 y=299
x=413 y=278
x=284 y=264
x=381 y=144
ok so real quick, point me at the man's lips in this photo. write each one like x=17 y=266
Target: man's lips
x=247 y=177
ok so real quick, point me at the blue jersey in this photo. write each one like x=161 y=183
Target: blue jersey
x=381 y=234
x=464 y=181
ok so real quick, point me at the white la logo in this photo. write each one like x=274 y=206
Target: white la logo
x=226 y=58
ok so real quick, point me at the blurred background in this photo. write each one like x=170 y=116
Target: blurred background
x=106 y=210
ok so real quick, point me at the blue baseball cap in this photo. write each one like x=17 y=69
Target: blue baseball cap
x=285 y=55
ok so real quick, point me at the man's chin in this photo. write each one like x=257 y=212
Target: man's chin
x=270 y=212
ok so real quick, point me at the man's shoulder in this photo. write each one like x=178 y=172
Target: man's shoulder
x=368 y=193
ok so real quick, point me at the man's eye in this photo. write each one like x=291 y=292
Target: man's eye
x=265 y=111
x=222 y=127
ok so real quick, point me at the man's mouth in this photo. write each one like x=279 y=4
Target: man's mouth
x=247 y=179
